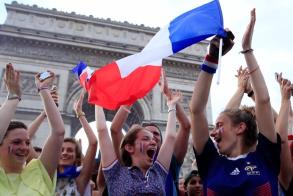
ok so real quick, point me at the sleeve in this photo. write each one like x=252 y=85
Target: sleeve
x=270 y=152
x=208 y=155
x=37 y=178
x=111 y=171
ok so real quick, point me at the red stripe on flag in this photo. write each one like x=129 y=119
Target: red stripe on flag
x=109 y=90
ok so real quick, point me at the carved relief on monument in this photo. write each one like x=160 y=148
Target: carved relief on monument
x=181 y=70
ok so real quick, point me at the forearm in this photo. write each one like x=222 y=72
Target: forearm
x=117 y=126
x=262 y=100
x=257 y=80
x=181 y=142
x=199 y=125
x=106 y=147
x=166 y=151
x=34 y=126
x=88 y=131
x=7 y=112
x=282 y=120
x=235 y=101
x=53 y=114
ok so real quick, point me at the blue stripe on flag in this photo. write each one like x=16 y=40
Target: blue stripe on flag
x=196 y=25
x=79 y=68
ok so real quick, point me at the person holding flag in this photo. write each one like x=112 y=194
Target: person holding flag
x=134 y=76
x=240 y=161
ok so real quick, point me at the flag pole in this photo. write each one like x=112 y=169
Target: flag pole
x=219 y=60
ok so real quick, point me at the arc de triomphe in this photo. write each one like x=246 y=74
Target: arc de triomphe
x=36 y=39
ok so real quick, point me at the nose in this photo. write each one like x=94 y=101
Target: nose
x=213 y=133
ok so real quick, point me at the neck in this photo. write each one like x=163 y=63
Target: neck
x=12 y=168
x=140 y=166
x=241 y=149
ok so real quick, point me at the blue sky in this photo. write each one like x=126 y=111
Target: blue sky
x=272 y=41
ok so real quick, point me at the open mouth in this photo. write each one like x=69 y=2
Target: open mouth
x=151 y=153
x=218 y=140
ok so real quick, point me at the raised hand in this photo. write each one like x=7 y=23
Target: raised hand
x=286 y=89
x=46 y=83
x=175 y=97
x=78 y=104
x=243 y=76
x=228 y=43
x=164 y=85
x=12 y=81
x=247 y=37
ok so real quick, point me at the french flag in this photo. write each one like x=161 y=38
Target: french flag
x=124 y=81
x=84 y=73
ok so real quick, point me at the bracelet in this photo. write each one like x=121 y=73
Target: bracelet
x=126 y=109
x=79 y=114
x=42 y=88
x=246 y=51
x=171 y=109
x=254 y=70
x=250 y=93
x=13 y=96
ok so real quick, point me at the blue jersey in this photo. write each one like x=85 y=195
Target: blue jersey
x=253 y=174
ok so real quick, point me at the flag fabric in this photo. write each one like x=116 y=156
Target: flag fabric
x=124 y=81
x=84 y=73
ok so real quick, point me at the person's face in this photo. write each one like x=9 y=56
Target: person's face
x=145 y=148
x=15 y=146
x=156 y=133
x=68 y=154
x=194 y=187
x=224 y=135
x=181 y=185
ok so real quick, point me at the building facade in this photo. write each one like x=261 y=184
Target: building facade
x=36 y=39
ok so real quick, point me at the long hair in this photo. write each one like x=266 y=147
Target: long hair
x=129 y=138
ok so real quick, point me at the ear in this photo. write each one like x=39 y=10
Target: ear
x=129 y=148
x=241 y=127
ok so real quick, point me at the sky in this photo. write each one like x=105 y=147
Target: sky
x=272 y=40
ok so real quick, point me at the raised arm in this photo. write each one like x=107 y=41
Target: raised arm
x=265 y=123
x=89 y=158
x=117 y=125
x=35 y=125
x=181 y=142
x=7 y=110
x=199 y=99
x=286 y=171
x=107 y=150
x=167 y=148
x=242 y=76
x=52 y=148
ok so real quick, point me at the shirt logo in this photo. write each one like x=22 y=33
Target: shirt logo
x=251 y=170
x=235 y=172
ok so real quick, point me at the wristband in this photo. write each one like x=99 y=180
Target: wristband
x=209 y=65
x=79 y=114
x=171 y=109
x=246 y=51
x=13 y=96
x=42 y=88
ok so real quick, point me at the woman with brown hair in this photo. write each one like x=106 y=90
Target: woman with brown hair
x=74 y=174
x=137 y=173
x=239 y=160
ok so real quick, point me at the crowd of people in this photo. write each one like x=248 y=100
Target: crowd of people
x=248 y=152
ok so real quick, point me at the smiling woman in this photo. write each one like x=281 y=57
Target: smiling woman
x=38 y=176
